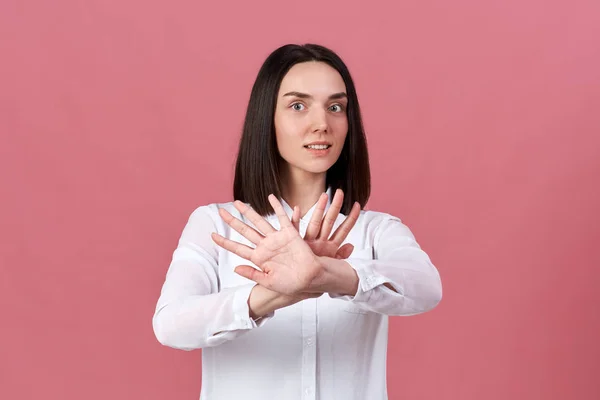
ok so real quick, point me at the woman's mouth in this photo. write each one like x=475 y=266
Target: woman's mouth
x=318 y=149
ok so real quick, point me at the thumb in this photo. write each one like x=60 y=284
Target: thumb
x=251 y=273
x=344 y=251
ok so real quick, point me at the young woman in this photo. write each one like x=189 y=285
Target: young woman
x=288 y=290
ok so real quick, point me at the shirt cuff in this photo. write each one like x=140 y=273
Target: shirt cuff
x=241 y=320
x=241 y=311
x=367 y=281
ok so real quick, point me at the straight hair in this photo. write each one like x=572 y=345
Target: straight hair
x=256 y=170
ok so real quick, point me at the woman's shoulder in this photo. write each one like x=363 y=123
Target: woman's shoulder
x=206 y=218
x=214 y=207
x=376 y=223
x=377 y=217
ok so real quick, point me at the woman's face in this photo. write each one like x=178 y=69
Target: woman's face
x=310 y=117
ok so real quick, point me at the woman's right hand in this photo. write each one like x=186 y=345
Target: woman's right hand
x=287 y=263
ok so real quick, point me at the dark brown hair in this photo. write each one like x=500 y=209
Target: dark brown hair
x=256 y=170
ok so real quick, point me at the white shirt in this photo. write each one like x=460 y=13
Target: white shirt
x=333 y=347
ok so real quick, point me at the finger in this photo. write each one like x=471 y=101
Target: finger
x=237 y=248
x=344 y=251
x=296 y=218
x=284 y=220
x=246 y=231
x=332 y=214
x=344 y=229
x=314 y=225
x=254 y=217
x=251 y=273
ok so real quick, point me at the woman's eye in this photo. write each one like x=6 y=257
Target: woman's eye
x=298 y=106
x=336 y=108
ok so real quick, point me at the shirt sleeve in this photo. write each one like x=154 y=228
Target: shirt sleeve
x=397 y=259
x=192 y=312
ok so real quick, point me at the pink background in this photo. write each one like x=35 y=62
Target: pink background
x=118 y=118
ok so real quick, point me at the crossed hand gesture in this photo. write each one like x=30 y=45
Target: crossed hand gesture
x=288 y=263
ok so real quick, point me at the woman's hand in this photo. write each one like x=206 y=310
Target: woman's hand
x=287 y=263
x=318 y=230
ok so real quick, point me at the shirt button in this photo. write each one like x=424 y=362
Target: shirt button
x=307 y=391
x=309 y=341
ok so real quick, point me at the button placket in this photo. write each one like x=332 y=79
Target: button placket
x=309 y=348
x=309 y=335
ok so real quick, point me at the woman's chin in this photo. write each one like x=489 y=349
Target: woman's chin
x=317 y=168
x=320 y=166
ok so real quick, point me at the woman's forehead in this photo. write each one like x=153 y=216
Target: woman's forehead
x=317 y=79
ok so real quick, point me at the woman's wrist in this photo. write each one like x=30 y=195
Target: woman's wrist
x=337 y=277
x=263 y=301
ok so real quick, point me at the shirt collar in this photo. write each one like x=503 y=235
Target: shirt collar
x=289 y=210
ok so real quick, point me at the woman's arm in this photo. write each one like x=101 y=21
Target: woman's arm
x=191 y=311
x=399 y=280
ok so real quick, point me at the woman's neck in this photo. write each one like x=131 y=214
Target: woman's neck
x=302 y=188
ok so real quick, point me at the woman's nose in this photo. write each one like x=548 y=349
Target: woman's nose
x=319 y=121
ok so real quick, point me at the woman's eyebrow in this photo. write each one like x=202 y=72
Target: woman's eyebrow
x=340 y=95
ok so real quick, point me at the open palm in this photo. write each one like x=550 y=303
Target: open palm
x=287 y=263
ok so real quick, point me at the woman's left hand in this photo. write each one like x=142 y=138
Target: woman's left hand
x=287 y=263
x=319 y=229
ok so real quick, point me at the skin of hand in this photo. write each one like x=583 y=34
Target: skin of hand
x=318 y=232
x=287 y=261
